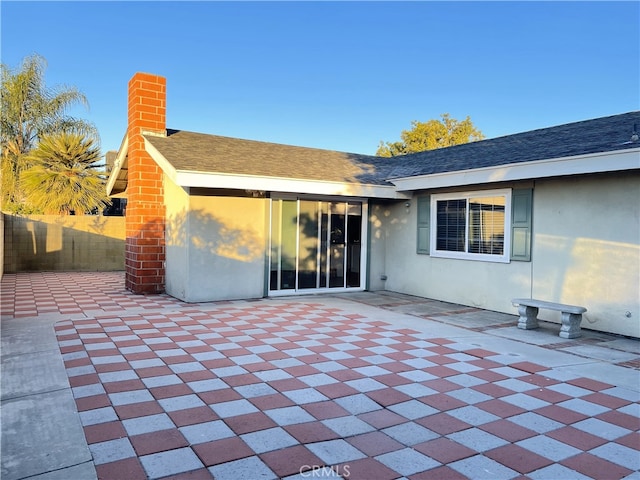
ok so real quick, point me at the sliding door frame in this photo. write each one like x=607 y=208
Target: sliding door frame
x=296 y=290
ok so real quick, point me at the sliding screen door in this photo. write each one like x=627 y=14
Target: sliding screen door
x=315 y=245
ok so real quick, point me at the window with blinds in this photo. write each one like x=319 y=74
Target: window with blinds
x=471 y=225
x=486 y=225
x=451 y=231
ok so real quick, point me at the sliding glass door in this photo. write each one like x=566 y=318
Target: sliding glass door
x=315 y=245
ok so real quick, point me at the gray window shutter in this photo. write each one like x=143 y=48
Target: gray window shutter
x=424 y=218
x=521 y=212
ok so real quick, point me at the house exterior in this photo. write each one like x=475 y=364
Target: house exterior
x=551 y=214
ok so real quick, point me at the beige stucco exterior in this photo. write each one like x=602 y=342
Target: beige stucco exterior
x=587 y=240
x=585 y=251
x=215 y=245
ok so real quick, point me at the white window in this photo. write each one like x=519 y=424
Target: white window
x=471 y=225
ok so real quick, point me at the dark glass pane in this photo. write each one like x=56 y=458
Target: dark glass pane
x=288 y=252
x=354 y=234
x=451 y=218
x=338 y=226
x=308 y=245
x=324 y=243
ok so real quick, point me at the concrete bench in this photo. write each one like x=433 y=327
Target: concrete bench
x=528 y=310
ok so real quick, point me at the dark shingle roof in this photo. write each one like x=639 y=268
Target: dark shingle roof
x=198 y=152
x=580 y=138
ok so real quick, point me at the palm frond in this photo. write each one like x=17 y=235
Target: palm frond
x=29 y=111
x=63 y=176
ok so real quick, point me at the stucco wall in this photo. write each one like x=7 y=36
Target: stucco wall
x=377 y=244
x=215 y=247
x=63 y=243
x=176 y=240
x=586 y=251
x=587 y=248
x=456 y=281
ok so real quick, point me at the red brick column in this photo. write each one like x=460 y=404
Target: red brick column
x=145 y=215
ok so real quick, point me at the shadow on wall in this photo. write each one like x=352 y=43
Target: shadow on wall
x=603 y=276
x=63 y=243
x=237 y=240
x=213 y=256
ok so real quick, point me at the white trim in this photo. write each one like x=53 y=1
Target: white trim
x=117 y=164
x=276 y=184
x=582 y=164
x=506 y=253
x=313 y=291
x=364 y=245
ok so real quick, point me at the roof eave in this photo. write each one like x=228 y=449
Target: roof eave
x=611 y=161
x=119 y=162
x=188 y=179
x=285 y=185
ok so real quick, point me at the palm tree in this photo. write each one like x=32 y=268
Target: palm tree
x=29 y=110
x=65 y=175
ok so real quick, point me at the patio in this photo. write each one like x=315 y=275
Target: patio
x=100 y=383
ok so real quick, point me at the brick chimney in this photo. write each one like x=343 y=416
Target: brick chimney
x=145 y=216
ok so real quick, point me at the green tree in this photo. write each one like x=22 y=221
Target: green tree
x=431 y=135
x=28 y=111
x=65 y=175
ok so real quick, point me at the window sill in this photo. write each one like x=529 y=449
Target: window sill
x=471 y=256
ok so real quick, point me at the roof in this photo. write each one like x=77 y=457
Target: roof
x=605 y=134
x=202 y=160
x=198 y=152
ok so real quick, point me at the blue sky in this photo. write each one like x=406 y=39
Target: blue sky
x=337 y=75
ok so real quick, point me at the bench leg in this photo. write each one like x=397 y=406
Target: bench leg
x=528 y=317
x=570 y=325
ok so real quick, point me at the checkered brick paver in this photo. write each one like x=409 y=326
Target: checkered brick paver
x=278 y=389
